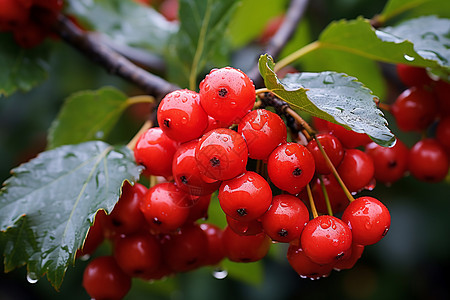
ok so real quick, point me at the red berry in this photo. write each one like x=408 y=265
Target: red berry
x=186 y=249
x=368 y=219
x=413 y=76
x=285 y=219
x=326 y=239
x=333 y=148
x=138 y=254
x=186 y=172
x=415 y=109
x=390 y=164
x=181 y=116
x=304 y=266
x=169 y=9
x=103 y=279
x=245 y=248
x=245 y=197
x=336 y=195
x=13 y=13
x=155 y=150
x=442 y=92
x=95 y=235
x=356 y=169
x=221 y=154
x=428 y=161
x=227 y=94
x=241 y=227
x=348 y=138
x=349 y=261
x=443 y=133
x=165 y=207
x=264 y=131
x=200 y=209
x=291 y=167
x=215 y=253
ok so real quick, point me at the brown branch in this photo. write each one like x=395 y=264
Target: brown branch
x=112 y=61
x=293 y=16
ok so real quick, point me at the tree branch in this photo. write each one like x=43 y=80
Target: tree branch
x=112 y=61
x=293 y=16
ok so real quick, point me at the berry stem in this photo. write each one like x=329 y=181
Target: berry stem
x=296 y=55
x=311 y=202
x=334 y=171
x=325 y=195
x=308 y=130
x=262 y=91
x=140 y=99
x=147 y=125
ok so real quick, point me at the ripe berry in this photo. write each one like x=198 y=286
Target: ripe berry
x=336 y=195
x=245 y=248
x=186 y=249
x=348 y=138
x=350 y=260
x=413 y=76
x=390 y=164
x=13 y=12
x=304 y=266
x=326 y=239
x=252 y=227
x=181 y=116
x=356 y=169
x=165 y=207
x=291 y=167
x=263 y=131
x=245 y=197
x=368 y=219
x=137 y=254
x=442 y=93
x=155 y=150
x=186 y=172
x=199 y=210
x=415 y=109
x=227 y=94
x=95 y=235
x=221 y=154
x=443 y=133
x=428 y=161
x=285 y=219
x=103 y=279
x=333 y=148
x=215 y=253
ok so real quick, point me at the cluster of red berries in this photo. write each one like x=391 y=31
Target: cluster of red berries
x=425 y=107
x=29 y=20
x=155 y=231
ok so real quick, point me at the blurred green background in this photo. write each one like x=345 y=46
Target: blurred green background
x=411 y=262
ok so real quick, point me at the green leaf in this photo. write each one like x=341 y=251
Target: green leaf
x=203 y=24
x=22 y=69
x=396 y=7
x=251 y=273
x=125 y=22
x=87 y=115
x=335 y=97
x=48 y=204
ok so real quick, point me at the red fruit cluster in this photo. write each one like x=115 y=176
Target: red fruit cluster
x=156 y=232
x=29 y=20
x=425 y=107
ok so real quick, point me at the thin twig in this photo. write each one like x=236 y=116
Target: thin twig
x=112 y=61
x=294 y=14
x=146 y=126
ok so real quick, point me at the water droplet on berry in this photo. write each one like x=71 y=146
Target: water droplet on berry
x=225 y=139
x=290 y=149
x=177 y=95
x=325 y=224
x=220 y=274
x=32 y=278
x=184 y=120
x=368 y=225
x=184 y=99
x=233 y=104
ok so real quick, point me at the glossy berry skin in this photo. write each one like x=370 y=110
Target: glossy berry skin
x=240 y=227
x=290 y=167
x=333 y=148
x=103 y=279
x=249 y=248
x=165 y=207
x=349 y=139
x=263 y=131
x=95 y=235
x=349 y=261
x=126 y=217
x=443 y=133
x=155 y=150
x=245 y=197
x=336 y=195
x=285 y=219
x=304 y=266
x=326 y=239
x=415 y=109
x=215 y=253
x=356 y=169
x=181 y=116
x=200 y=209
x=221 y=154
x=187 y=175
x=227 y=94
x=368 y=219
x=13 y=13
x=186 y=249
x=442 y=93
x=428 y=161
x=413 y=76
x=390 y=164
x=137 y=254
